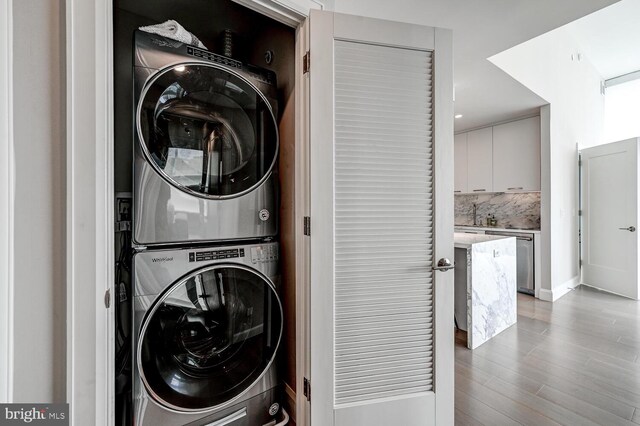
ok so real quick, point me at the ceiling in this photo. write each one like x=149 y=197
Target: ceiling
x=610 y=38
x=482 y=28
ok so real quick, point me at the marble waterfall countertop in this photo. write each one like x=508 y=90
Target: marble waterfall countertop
x=464 y=240
x=485 y=285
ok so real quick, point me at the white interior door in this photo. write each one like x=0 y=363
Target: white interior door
x=610 y=217
x=381 y=161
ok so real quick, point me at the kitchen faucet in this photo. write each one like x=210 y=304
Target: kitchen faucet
x=475 y=214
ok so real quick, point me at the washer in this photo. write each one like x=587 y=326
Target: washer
x=207 y=326
x=206 y=146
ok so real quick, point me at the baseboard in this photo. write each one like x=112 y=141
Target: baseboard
x=290 y=402
x=559 y=291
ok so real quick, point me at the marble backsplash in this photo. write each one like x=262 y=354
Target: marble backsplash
x=512 y=210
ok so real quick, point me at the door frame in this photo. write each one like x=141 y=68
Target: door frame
x=90 y=216
x=6 y=200
x=90 y=192
x=302 y=209
x=580 y=212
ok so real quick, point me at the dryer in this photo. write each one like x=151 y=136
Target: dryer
x=207 y=326
x=205 y=146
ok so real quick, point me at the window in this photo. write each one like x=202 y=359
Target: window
x=622 y=111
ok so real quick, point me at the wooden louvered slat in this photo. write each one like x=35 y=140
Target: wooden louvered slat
x=383 y=332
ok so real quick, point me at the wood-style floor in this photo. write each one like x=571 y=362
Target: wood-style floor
x=573 y=362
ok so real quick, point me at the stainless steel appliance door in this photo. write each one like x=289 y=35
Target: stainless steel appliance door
x=207 y=130
x=525 y=259
x=209 y=338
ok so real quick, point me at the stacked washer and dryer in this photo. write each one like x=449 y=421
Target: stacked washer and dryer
x=207 y=316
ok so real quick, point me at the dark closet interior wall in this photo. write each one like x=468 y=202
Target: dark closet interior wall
x=255 y=34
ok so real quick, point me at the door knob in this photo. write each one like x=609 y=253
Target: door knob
x=630 y=229
x=444 y=264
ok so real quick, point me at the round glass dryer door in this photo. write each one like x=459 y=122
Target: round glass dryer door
x=207 y=130
x=209 y=338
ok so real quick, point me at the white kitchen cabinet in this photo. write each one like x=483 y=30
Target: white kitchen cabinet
x=516 y=156
x=460 y=163
x=480 y=160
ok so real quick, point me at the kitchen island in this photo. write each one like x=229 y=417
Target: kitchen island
x=485 y=285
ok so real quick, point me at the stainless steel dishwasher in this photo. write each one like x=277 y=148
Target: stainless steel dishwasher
x=525 y=259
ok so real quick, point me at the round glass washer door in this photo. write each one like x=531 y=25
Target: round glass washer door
x=207 y=130
x=209 y=338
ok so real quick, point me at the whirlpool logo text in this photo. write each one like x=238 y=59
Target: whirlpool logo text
x=162 y=259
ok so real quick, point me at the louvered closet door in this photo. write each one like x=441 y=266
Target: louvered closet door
x=378 y=169
x=383 y=222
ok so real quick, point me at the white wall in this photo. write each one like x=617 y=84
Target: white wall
x=38 y=108
x=481 y=29
x=571 y=85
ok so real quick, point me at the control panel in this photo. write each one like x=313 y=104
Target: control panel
x=200 y=256
x=264 y=253
x=259 y=254
x=219 y=59
x=262 y=74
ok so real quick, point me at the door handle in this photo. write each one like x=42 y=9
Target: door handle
x=630 y=229
x=444 y=264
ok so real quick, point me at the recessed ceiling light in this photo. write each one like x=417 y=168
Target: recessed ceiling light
x=179 y=68
x=458 y=116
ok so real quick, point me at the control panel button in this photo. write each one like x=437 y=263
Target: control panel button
x=202 y=256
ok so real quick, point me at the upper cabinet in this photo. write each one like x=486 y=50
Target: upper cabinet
x=480 y=160
x=500 y=158
x=516 y=156
x=460 y=163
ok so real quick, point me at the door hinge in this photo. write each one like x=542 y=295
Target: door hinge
x=306 y=62
x=307 y=389
x=307 y=226
x=107 y=298
x=580 y=212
